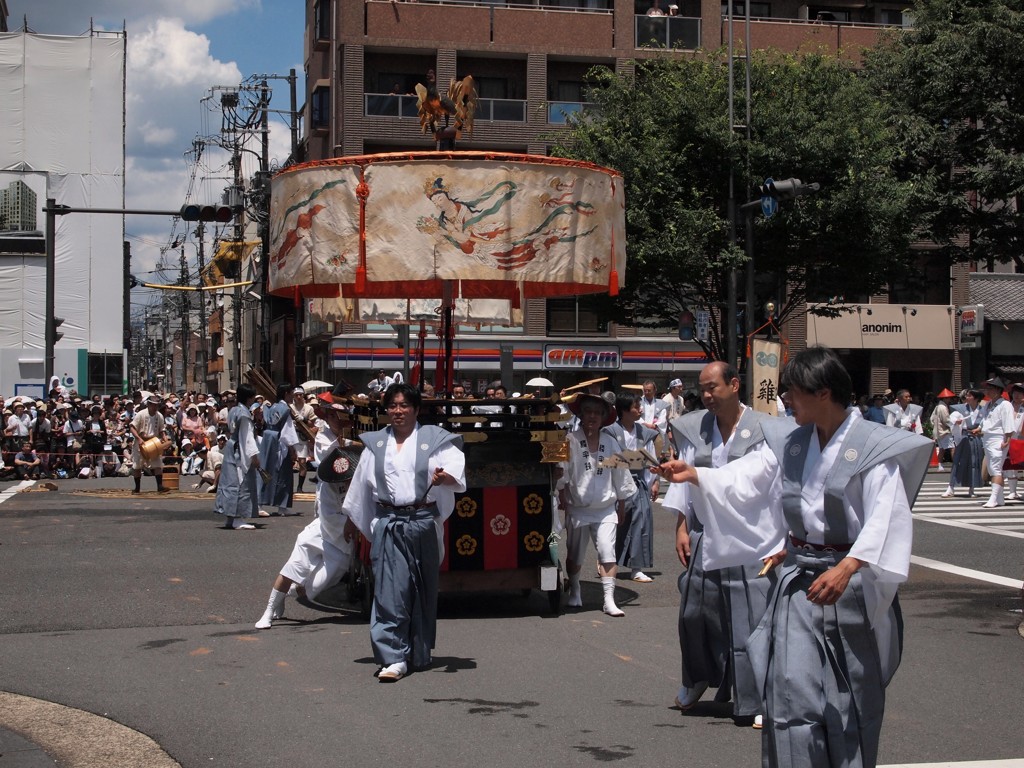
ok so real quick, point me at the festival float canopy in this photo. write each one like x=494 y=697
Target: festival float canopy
x=446 y=225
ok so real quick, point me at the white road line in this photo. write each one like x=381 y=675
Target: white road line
x=1012 y=763
x=996 y=512
x=970 y=573
x=969 y=526
x=15 y=488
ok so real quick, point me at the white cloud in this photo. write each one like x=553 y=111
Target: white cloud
x=167 y=55
x=72 y=17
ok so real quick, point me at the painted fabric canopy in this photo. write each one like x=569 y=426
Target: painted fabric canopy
x=494 y=225
x=413 y=311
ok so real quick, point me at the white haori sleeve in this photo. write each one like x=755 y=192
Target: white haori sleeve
x=361 y=500
x=289 y=436
x=453 y=461
x=741 y=507
x=247 y=446
x=677 y=497
x=887 y=527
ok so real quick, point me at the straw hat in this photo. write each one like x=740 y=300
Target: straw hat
x=576 y=407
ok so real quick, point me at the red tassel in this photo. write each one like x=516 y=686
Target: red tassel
x=613 y=283
x=360 y=280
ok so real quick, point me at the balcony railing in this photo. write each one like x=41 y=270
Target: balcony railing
x=560 y=111
x=667 y=32
x=404 y=106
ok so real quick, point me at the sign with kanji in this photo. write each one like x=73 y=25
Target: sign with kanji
x=765 y=361
x=702 y=325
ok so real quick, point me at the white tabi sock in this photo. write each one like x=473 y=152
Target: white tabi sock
x=608 y=585
x=1011 y=486
x=275 y=609
x=575 y=597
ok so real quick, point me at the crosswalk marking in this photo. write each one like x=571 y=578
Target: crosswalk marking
x=966 y=512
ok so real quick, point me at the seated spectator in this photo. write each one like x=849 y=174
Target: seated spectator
x=191 y=462
x=27 y=463
x=211 y=466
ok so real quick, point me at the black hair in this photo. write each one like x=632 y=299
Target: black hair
x=246 y=393
x=977 y=394
x=625 y=403
x=817 y=368
x=282 y=390
x=411 y=394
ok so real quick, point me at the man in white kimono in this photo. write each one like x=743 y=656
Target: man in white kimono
x=593 y=496
x=718 y=608
x=323 y=549
x=839 y=488
x=402 y=492
x=997 y=427
x=655 y=410
x=904 y=414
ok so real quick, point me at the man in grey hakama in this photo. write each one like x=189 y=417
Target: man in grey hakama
x=402 y=491
x=634 y=543
x=236 y=489
x=840 y=489
x=276 y=453
x=718 y=607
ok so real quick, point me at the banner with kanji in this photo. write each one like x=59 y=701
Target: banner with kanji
x=766 y=362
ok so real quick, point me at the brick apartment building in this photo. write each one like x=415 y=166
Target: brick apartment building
x=529 y=59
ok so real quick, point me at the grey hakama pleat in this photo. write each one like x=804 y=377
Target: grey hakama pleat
x=746 y=599
x=820 y=666
x=967 y=457
x=236 y=489
x=406 y=563
x=634 y=545
x=277 y=491
x=703 y=624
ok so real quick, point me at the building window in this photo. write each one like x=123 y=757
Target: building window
x=322 y=20
x=758 y=10
x=106 y=374
x=827 y=14
x=575 y=315
x=929 y=283
x=320 y=107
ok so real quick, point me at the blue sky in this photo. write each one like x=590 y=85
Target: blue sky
x=177 y=50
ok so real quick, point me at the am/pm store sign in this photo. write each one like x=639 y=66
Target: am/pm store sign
x=561 y=356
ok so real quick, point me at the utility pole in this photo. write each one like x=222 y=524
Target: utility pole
x=236 y=164
x=202 y=357
x=185 y=309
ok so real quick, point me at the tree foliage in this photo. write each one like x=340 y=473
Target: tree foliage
x=956 y=100
x=665 y=128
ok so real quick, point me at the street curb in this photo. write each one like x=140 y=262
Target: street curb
x=78 y=739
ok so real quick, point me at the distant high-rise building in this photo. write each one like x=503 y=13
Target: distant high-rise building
x=18 y=207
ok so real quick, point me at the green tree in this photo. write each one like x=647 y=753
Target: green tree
x=665 y=128
x=957 y=108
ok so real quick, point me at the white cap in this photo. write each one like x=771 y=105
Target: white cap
x=298 y=391
x=675 y=383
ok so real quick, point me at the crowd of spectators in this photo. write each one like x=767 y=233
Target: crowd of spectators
x=68 y=435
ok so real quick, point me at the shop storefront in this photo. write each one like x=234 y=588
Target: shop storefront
x=891 y=345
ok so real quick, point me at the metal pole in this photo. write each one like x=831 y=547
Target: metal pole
x=186 y=330
x=265 y=222
x=202 y=358
x=239 y=226
x=731 y=312
x=51 y=266
x=126 y=316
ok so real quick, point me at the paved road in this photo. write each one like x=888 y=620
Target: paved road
x=140 y=610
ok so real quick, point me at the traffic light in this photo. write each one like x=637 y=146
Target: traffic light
x=197 y=212
x=787 y=189
x=56 y=323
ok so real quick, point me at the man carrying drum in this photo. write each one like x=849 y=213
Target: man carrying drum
x=149 y=430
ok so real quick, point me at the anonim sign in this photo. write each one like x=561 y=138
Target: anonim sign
x=881 y=328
